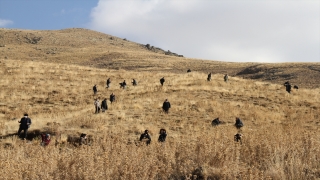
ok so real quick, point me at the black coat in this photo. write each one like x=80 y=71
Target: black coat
x=288 y=88
x=104 y=104
x=162 y=137
x=238 y=123
x=24 y=122
x=166 y=105
x=145 y=136
x=162 y=80
x=112 y=98
x=215 y=122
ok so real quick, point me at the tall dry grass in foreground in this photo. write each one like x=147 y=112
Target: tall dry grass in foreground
x=281 y=137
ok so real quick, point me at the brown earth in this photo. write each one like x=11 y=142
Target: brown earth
x=90 y=48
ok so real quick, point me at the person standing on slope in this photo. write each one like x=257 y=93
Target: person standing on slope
x=25 y=123
x=166 y=106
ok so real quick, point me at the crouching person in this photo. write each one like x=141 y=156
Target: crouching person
x=83 y=139
x=239 y=123
x=163 y=135
x=146 y=135
x=45 y=139
x=215 y=122
x=238 y=137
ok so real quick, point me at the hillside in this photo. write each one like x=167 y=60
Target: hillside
x=93 y=49
x=280 y=136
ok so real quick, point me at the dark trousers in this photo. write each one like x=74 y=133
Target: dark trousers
x=97 y=109
x=25 y=130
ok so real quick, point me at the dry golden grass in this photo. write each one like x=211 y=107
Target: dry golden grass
x=281 y=132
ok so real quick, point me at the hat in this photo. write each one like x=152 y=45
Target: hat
x=25 y=114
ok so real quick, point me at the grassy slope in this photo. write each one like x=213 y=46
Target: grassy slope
x=281 y=136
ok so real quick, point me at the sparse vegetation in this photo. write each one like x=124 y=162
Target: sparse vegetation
x=280 y=133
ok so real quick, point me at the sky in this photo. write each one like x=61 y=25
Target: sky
x=224 y=30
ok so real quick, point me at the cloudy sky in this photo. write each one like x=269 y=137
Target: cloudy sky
x=235 y=31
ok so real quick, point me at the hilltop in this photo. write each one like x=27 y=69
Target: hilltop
x=94 y=49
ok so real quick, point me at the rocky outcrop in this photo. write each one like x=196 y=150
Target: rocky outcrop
x=159 y=50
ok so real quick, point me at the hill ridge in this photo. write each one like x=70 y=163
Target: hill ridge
x=95 y=49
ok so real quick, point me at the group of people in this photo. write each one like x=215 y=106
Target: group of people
x=225 y=77
x=25 y=122
x=103 y=106
x=238 y=124
x=146 y=136
x=122 y=84
x=289 y=86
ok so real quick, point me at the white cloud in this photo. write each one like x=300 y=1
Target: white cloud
x=4 y=22
x=255 y=31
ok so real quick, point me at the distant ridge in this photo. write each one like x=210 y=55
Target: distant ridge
x=95 y=49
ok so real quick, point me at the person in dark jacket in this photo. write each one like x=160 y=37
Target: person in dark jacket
x=216 y=122
x=166 y=106
x=108 y=83
x=238 y=123
x=288 y=86
x=162 y=80
x=112 y=98
x=123 y=84
x=25 y=123
x=95 y=90
x=209 y=77
x=104 y=105
x=146 y=135
x=238 y=137
x=134 y=82
x=163 y=135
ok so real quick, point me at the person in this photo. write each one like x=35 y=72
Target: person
x=288 y=86
x=123 y=84
x=209 y=77
x=83 y=139
x=25 y=123
x=108 y=83
x=162 y=80
x=238 y=123
x=97 y=105
x=45 y=139
x=146 y=135
x=189 y=70
x=112 y=98
x=134 y=82
x=238 y=137
x=226 y=77
x=95 y=90
x=166 y=106
x=104 y=105
x=216 y=122
x=163 y=135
